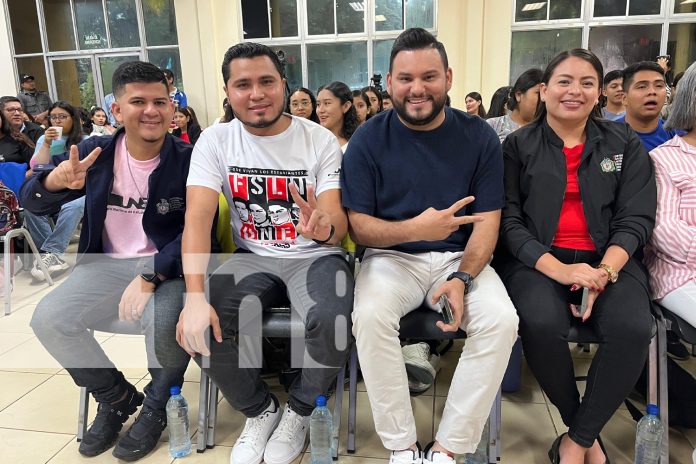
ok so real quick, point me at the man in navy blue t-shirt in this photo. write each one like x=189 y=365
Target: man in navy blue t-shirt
x=423 y=185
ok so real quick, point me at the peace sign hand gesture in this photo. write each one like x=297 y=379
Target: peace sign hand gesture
x=314 y=224
x=71 y=173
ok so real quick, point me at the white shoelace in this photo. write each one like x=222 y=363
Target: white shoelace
x=289 y=425
x=252 y=429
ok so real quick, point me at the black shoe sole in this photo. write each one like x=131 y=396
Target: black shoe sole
x=91 y=453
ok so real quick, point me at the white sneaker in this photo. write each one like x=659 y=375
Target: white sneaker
x=53 y=263
x=407 y=456
x=436 y=457
x=251 y=443
x=421 y=366
x=288 y=439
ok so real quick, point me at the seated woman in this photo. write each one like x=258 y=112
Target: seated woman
x=187 y=127
x=303 y=104
x=671 y=258
x=64 y=132
x=522 y=104
x=474 y=104
x=375 y=97
x=336 y=112
x=15 y=147
x=100 y=123
x=580 y=203
x=362 y=105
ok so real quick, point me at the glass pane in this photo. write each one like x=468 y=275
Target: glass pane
x=381 y=50
x=167 y=58
x=610 y=8
x=681 y=46
x=59 y=26
x=389 y=15
x=34 y=66
x=645 y=7
x=320 y=17
x=107 y=66
x=534 y=49
x=75 y=81
x=530 y=10
x=293 y=63
x=283 y=18
x=160 y=22
x=25 y=26
x=123 y=23
x=682 y=7
x=322 y=60
x=419 y=13
x=91 y=31
x=255 y=19
x=619 y=46
x=350 y=16
x=565 y=9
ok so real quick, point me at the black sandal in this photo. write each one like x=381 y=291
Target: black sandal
x=554 y=454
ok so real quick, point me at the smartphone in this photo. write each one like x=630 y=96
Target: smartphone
x=447 y=315
x=579 y=298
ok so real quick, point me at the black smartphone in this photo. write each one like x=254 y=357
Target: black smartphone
x=579 y=298
x=446 y=308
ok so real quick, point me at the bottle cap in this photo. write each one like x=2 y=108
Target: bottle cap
x=653 y=409
x=321 y=400
x=175 y=390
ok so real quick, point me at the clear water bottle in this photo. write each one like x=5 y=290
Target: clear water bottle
x=649 y=437
x=178 y=423
x=320 y=433
x=480 y=456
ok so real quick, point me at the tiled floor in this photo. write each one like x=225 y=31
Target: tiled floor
x=38 y=405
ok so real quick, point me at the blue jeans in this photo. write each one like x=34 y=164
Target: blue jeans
x=55 y=240
x=90 y=297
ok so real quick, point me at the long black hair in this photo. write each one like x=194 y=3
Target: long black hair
x=526 y=81
x=76 y=133
x=193 y=128
x=312 y=98
x=498 y=102
x=477 y=96
x=350 y=117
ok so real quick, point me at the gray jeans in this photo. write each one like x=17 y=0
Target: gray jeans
x=89 y=298
x=320 y=291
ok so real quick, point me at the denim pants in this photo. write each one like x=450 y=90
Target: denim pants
x=89 y=297
x=320 y=291
x=55 y=240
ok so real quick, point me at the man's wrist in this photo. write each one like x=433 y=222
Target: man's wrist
x=464 y=277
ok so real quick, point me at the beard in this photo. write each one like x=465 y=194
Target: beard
x=423 y=119
x=261 y=123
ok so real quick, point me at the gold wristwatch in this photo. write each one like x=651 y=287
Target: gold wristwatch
x=613 y=275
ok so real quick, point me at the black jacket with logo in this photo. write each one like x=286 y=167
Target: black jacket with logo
x=616 y=182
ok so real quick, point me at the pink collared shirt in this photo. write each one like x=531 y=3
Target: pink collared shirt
x=671 y=257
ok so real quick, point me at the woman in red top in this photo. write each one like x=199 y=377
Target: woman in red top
x=580 y=203
x=187 y=127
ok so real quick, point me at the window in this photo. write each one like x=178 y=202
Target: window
x=323 y=64
x=684 y=6
x=292 y=58
x=91 y=31
x=532 y=10
x=619 y=46
x=682 y=56
x=160 y=23
x=25 y=25
x=618 y=7
x=534 y=49
x=59 y=25
x=123 y=23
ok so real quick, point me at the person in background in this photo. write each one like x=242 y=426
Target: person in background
x=664 y=114
x=15 y=147
x=178 y=96
x=35 y=102
x=187 y=127
x=361 y=103
x=375 y=97
x=227 y=114
x=522 y=105
x=303 y=104
x=612 y=91
x=498 y=106
x=14 y=115
x=108 y=101
x=100 y=122
x=474 y=105
x=386 y=101
x=337 y=112
x=85 y=121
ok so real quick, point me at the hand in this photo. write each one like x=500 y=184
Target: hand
x=193 y=324
x=454 y=290
x=662 y=61
x=72 y=172
x=433 y=224
x=134 y=299
x=314 y=224
x=592 y=296
x=50 y=135
x=581 y=275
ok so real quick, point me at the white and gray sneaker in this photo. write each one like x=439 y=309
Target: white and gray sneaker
x=407 y=456
x=436 y=457
x=288 y=439
x=251 y=443
x=421 y=366
x=53 y=263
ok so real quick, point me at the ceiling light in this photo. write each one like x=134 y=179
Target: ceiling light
x=534 y=6
x=380 y=18
x=685 y=2
x=357 y=6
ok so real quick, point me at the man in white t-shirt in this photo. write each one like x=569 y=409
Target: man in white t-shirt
x=265 y=162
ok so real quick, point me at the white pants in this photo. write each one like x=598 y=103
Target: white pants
x=389 y=286
x=682 y=302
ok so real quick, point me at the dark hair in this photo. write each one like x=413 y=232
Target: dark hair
x=350 y=117
x=312 y=98
x=10 y=98
x=227 y=109
x=385 y=96
x=583 y=54
x=526 y=81
x=477 y=96
x=85 y=120
x=417 y=38
x=8 y=131
x=168 y=73
x=94 y=111
x=136 y=72
x=361 y=94
x=75 y=135
x=249 y=50
x=630 y=71
x=372 y=89
x=498 y=101
x=5 y=128
x=677 y=78
x=612 y=76
x=189 y=113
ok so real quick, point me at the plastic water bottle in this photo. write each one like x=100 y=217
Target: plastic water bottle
x=649 y=437
x=178 y=423
x=480 y=456
x=320 y=433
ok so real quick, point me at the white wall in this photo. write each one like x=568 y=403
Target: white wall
x=8 y=78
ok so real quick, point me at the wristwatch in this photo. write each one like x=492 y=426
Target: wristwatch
x=613 y=275
x=464 y=277
x=153 y=278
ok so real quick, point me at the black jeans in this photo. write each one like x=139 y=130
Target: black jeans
x=621 y=318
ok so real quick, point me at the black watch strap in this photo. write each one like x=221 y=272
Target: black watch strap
x=332 y=231
x=153 y=278
x=464 y=277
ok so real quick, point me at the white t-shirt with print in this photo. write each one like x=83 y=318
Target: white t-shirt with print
x=254 y=173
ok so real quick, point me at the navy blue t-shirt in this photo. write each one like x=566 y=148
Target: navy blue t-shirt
x=655 y=138
x=394 y=173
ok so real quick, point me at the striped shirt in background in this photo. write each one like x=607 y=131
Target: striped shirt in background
x=671 y=258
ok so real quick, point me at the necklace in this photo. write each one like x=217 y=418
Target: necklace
x=143 y=198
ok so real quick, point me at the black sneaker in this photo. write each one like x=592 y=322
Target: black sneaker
x=675 y=348
x=142 y=436
x=109 y=421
